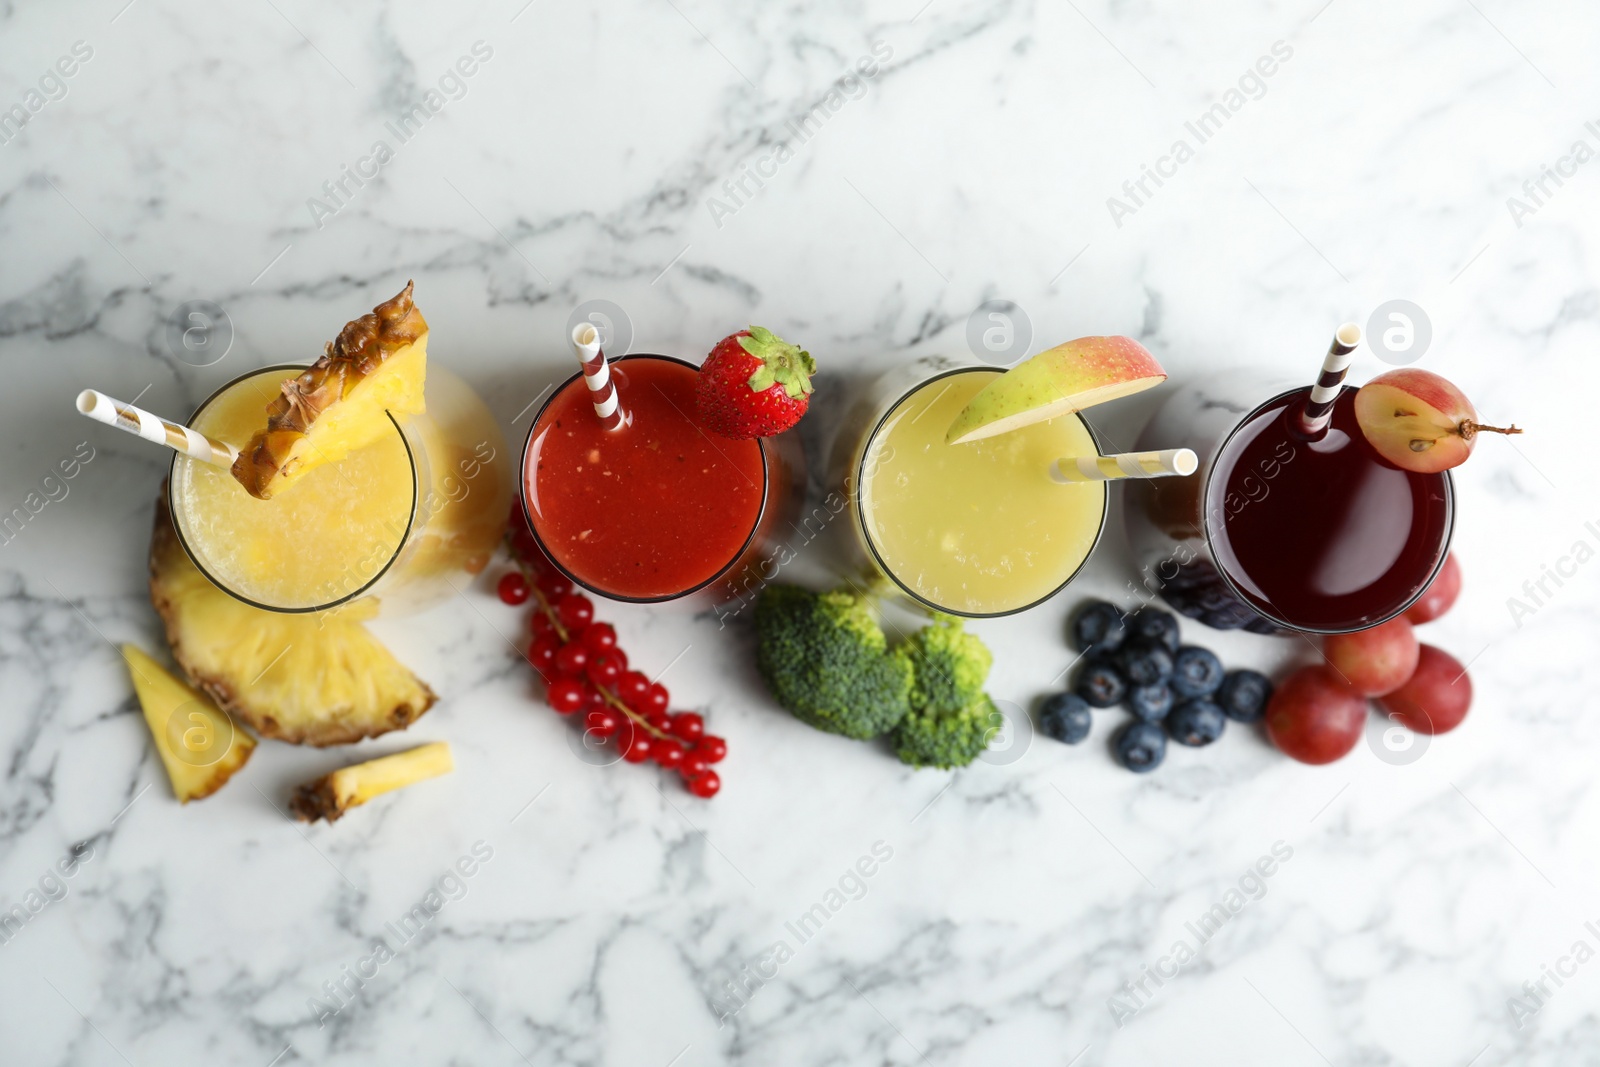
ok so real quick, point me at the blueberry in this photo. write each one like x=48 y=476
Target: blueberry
x=1196 y=672
x=1150 y=702
x=1098 y=628
x=1100 y=685
x=1143 y=663
x=1154 y=627
x=1196 y=722
x=1230 y=616
x=1244 y=695
x=1140 y=746
x=1065 y=717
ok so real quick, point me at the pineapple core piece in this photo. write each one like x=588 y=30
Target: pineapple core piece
x=199 y=744
x=333 y=794
x=343 y=401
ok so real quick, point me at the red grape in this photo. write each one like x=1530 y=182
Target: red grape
x=1314 y=717
x=1441 y=595
x=1435 y=699
x=1375 y=661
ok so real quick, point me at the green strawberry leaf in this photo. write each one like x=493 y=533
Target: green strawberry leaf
x=781 y=363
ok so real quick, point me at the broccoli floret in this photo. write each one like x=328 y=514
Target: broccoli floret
x=949 y=665
x=825 y=659
x=947 y=739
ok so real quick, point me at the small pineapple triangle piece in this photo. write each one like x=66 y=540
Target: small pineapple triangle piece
x=334 y=794
x=342 y=402
x=200 y=745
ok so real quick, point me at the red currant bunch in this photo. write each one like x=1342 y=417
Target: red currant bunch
x=587 y=677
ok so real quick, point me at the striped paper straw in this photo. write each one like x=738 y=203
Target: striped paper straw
x=1164 y=464
x=597 y=376
x=1335 y=365
x=102 y=408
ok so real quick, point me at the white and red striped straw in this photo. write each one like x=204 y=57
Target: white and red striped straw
x=597 y=376
x=1335 y=365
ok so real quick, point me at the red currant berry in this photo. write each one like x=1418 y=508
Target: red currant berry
x=600 y=723
x=632 y=687
x=542 y=654
x=705 y=784
x=600 y=637
x=513 y=589
x=572 y=658
x=659 y=721
x=668 y=753
x=602 y=671
x=712 y=747
x=619 y=657
x=540 y=623
x=554 y=586
x=575 y=610
x=566 y=695
x=693 y=763
x=688 y=725
x=656 y=697
x=639 y=746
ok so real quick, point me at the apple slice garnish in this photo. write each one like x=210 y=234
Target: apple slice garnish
x=1065 y=379
x=1419 y=421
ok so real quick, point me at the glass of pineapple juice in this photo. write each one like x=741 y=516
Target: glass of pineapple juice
x=977 y=529
x=393 y=523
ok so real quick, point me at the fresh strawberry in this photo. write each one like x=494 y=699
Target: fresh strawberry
x=754 y=384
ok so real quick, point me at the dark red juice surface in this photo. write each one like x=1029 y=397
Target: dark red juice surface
x=650 y=510
x=1323 y=534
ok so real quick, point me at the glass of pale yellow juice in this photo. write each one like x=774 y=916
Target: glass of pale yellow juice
x=397 y=523
x=976 y=529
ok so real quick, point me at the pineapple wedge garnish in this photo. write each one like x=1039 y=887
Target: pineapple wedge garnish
x=199 y=745
x=315 y=679
x=332 y=795
x=343 y=401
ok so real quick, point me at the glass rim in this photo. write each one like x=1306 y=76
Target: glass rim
x=1248 y=600
x=177 y=526
x=720 y=572
x=859 y=465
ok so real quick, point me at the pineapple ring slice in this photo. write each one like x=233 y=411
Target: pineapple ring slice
x=314 y=679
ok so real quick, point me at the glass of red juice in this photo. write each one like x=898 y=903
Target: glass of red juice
x=660 y=508
x=1278 y=532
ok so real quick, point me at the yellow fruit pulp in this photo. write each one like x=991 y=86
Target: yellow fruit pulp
x=977 y=528
x=359 y=419
x=199 y=744
x=313 y=544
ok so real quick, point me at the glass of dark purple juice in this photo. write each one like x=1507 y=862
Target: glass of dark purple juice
x=1280 y=531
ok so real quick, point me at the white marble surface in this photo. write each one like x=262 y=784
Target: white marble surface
x=1376 y=164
